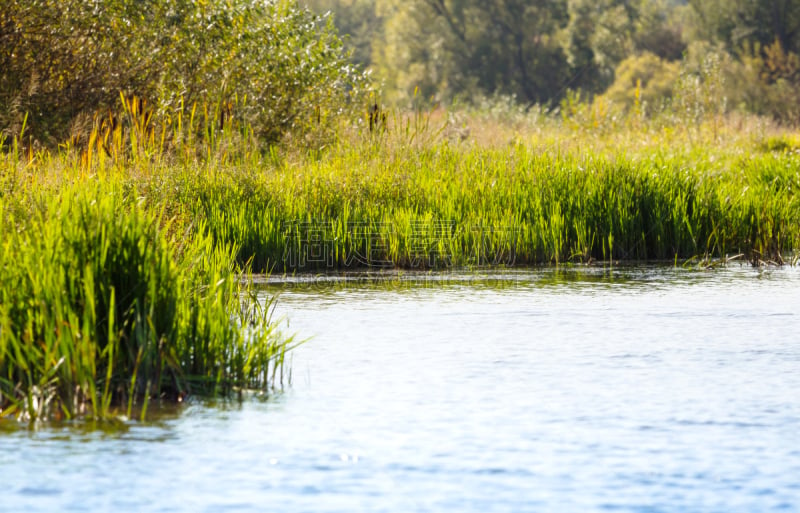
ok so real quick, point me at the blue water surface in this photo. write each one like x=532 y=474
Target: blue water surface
x=587 y=389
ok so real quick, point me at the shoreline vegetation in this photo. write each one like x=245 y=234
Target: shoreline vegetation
x=140 y=191
x=122 y=261
x=418 y=194
x=106 y=305
x=439 y=205
x=122 y=264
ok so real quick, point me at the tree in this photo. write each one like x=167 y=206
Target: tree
x=358 y=23
x=65 y=60
x=764 y=35
x=459 y=48
x=739 y=22
x=598 y=38
x=645 y=79
x=658 y=29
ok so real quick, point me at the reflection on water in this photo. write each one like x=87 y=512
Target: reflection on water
x=633 y=389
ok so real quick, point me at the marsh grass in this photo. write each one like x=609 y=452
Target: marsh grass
x=446 y=204
x=103 y=307
x=125 y=256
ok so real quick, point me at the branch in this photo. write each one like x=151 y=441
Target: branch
x=441 y=9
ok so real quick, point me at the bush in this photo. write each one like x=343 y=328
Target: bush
x=644 y=78
x=64 y=61
x=767 y=82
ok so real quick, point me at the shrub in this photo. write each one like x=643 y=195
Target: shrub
x=767 y=82
x=643 y=78
x=64 y=61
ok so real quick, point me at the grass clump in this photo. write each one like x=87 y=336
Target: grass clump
x=446 y=204
x=103 y=307
x=121 y=261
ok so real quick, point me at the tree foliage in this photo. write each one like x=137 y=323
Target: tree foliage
x=63 y=60
x=286 y=69
x=644 y=79
x=452 y=48
x=534 y=50
x=764 y=35
x=739 y=22
x=357 y=21
x=540 y=51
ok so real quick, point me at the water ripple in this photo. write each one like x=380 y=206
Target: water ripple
x=582 y=389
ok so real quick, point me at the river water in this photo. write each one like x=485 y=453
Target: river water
x=587 y=389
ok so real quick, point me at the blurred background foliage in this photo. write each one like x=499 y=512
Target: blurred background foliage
x=541 y=52
x=292 y=68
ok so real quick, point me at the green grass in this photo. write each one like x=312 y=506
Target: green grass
x=105 y=305
x=123 y=265
x=451 y=206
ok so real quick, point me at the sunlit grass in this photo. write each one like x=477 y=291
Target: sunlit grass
x=572 y=195
x=124 y=257
x=106 y=304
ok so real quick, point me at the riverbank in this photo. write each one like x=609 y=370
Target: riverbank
x=123 y=261
x=418 y=198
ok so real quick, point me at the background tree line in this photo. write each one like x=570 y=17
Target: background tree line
x=539 y=51
x=284 y=66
